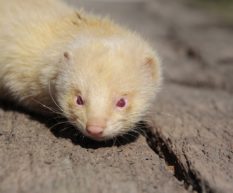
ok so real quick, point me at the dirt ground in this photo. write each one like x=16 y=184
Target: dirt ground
x=190 y=145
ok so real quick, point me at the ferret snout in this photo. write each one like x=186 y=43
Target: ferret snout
x=96 y=128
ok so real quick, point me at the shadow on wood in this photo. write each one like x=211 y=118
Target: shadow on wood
x=61 y=128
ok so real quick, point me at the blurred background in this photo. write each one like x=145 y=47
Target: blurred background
x=222 y=8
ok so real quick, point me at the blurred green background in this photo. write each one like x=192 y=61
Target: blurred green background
x=222 y=8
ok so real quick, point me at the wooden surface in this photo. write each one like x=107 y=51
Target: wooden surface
x=190 y=147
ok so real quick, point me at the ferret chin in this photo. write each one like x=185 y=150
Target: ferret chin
x=100 y=76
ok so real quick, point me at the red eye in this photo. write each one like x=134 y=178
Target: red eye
x=80 y=101
x=121 y=103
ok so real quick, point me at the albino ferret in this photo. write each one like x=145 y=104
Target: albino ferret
x=100 y=76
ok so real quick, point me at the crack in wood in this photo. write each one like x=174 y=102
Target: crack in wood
x=189 y=176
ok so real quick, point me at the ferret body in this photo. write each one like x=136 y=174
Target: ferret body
x=100 y=76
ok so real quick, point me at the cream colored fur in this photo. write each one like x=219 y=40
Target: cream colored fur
x=50 y=53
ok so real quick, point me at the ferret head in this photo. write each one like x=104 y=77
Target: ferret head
x=106 y=85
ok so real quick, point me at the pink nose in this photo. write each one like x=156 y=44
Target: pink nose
x=95 y=130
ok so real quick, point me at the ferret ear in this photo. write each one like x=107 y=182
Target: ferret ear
x=152 y=65
x=67 y=57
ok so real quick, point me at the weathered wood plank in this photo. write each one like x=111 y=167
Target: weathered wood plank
x=195 y=110
x=34 y=160
x=197 y=127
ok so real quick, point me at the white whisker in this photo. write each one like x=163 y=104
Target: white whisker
x=59 y=123
x=48 y=108
x=51 y=96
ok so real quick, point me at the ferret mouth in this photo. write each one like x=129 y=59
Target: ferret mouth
x=96 y=138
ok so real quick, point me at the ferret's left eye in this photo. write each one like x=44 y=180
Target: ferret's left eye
x=121 y=103
x=80 y=100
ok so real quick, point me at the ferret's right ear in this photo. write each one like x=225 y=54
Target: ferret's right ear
x=152 y=64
